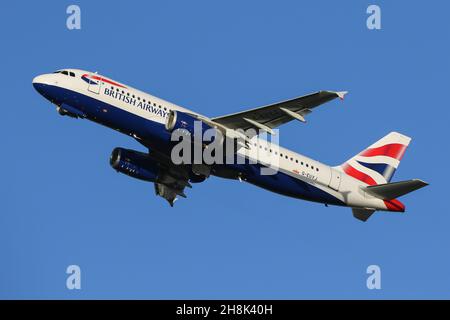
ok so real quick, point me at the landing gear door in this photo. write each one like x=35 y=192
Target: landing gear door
x=335 y=179
x=95 y=83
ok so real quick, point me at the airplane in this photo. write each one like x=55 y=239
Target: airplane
x=362 y=183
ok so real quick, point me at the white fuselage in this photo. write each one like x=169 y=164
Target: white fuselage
x=331 y=180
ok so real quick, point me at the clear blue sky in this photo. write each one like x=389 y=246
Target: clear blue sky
x=62 y=204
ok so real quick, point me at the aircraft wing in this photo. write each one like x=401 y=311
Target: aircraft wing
x=271 y=116
x=170 y=186
x=172 y=179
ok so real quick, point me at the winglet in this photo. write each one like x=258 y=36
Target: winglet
x=341 y=94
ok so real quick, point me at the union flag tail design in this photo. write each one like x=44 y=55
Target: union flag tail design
x=377 y=164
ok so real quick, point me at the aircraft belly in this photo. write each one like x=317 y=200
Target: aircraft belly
x=287 y=185
x=116 y=118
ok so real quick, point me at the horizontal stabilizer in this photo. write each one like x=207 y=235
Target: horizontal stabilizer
x=362 y=214
x=389 y=191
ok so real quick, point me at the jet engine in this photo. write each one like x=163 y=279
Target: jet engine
x=134 y=164
x=178 y=120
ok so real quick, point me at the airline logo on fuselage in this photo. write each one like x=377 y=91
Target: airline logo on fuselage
x=137 y=103
x=95 y=79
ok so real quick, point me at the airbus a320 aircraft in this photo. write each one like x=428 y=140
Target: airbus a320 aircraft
x=361 y=183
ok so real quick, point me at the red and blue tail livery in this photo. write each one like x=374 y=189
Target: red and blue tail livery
x=362 y=183
x=377 y=163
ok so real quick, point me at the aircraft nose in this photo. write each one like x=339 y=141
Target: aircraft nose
x=39 y=80
x=36 y=79
x=43 y=84
x=39 y=83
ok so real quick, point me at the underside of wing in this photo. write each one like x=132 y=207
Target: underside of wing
x=274 y=115
x=170 y=186
x=170 y=180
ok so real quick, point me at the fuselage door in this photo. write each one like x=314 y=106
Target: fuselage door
x=335 y=179
x=95 y=83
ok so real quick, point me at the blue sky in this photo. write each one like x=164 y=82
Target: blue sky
x=62 y=204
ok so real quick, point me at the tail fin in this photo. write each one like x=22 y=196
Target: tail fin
x=377 y=163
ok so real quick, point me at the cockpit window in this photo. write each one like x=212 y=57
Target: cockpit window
x=65 y=72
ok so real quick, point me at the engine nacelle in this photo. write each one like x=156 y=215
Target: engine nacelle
x=134 y=164
x=66 y=110
x=178 y=120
